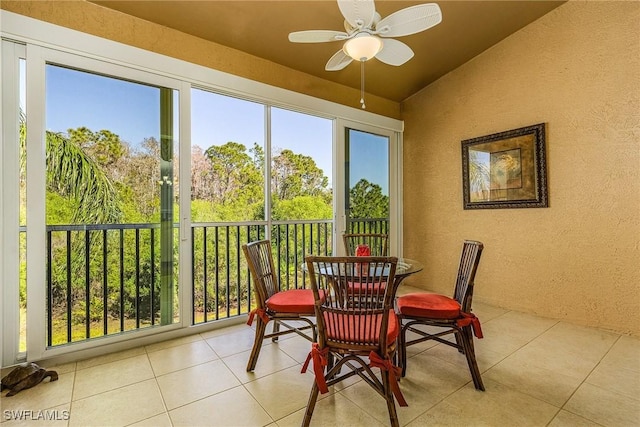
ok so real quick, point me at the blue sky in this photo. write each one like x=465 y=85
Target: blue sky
x=217 y=119
x=368 y=158
x=131 y=110
x=76 y=99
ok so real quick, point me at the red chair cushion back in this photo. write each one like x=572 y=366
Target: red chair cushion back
x=367 y=287
x=433 y=306
x=359 y=328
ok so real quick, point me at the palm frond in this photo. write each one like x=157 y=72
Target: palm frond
x=72 y=173
x=479 y=173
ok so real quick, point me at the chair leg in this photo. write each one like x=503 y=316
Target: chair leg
x=276 y=329
x=459 y=342
x=313 y=397
x=388 y=395
x=466 y=336
x=402 y=350
x=331 y=361
x=261 y=328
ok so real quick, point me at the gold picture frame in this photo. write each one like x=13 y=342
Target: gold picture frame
x=506 y=169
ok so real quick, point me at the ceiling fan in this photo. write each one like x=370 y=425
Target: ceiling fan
x=368 y=35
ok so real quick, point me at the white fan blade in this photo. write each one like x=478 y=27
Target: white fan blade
x=317 y=36
x=338 y=61
x=358 y=13
x=394 y=52
x=410 y=20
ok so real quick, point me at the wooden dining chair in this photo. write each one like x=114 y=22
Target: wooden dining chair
x=356 y=337
x=275 y=305
x=376 y=242
x=450 y=315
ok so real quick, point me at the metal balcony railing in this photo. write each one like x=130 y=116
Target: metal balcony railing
x=105 y=279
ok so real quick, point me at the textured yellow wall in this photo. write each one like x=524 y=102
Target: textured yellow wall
x=92 y=19
x=578 y=70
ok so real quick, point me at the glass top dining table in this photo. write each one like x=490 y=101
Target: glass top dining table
x=405 y=267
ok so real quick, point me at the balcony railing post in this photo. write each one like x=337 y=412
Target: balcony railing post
x=137 y=300
x=122 y=267
x=105 y=284
x=69 y=294
x=49 y=292
x=152 y=290
x=87 y=283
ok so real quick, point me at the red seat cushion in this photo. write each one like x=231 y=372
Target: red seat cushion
x=359 y=328
x=433 y=306
x=292 y=301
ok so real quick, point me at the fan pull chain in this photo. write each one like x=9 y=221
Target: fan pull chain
x=362 y=84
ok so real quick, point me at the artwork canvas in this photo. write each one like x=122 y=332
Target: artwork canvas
x=505 y=170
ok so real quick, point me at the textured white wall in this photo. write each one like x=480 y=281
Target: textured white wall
x=578 y=70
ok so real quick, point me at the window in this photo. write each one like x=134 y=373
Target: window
x=109 y=205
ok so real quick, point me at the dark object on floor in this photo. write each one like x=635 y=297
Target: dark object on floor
x=26 y=376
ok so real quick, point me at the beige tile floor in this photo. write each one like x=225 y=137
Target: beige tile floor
x=537 y=372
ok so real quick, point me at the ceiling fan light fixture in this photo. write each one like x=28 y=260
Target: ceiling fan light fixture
x=363 y=46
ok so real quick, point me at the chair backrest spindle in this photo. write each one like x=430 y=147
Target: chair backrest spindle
x=261 y=265
x=469 y=260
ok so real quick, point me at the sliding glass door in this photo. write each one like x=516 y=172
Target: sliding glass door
x=370 y=182
x=366 y=182
x=109 y=204
x=102 y=231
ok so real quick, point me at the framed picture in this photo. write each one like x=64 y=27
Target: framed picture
x=505 y=170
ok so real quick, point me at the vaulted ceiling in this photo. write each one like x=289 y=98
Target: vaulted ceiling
x=261 y=28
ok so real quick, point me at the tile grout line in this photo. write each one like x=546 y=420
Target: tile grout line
x=584 y=381
x=155 y=377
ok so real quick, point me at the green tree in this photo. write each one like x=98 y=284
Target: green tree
x=258 y=156
x=201 y=178
x=367 y=201
x=294 y=175
x=302 y=207
x=73 y=174
x=236 y=182
x=139 y=182
x=104 y=146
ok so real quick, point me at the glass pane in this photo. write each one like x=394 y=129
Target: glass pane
x=301 y=156
x=367 y=180
x=301 y=191
x=227 y=200
x=227 y=158
x=110 y=199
